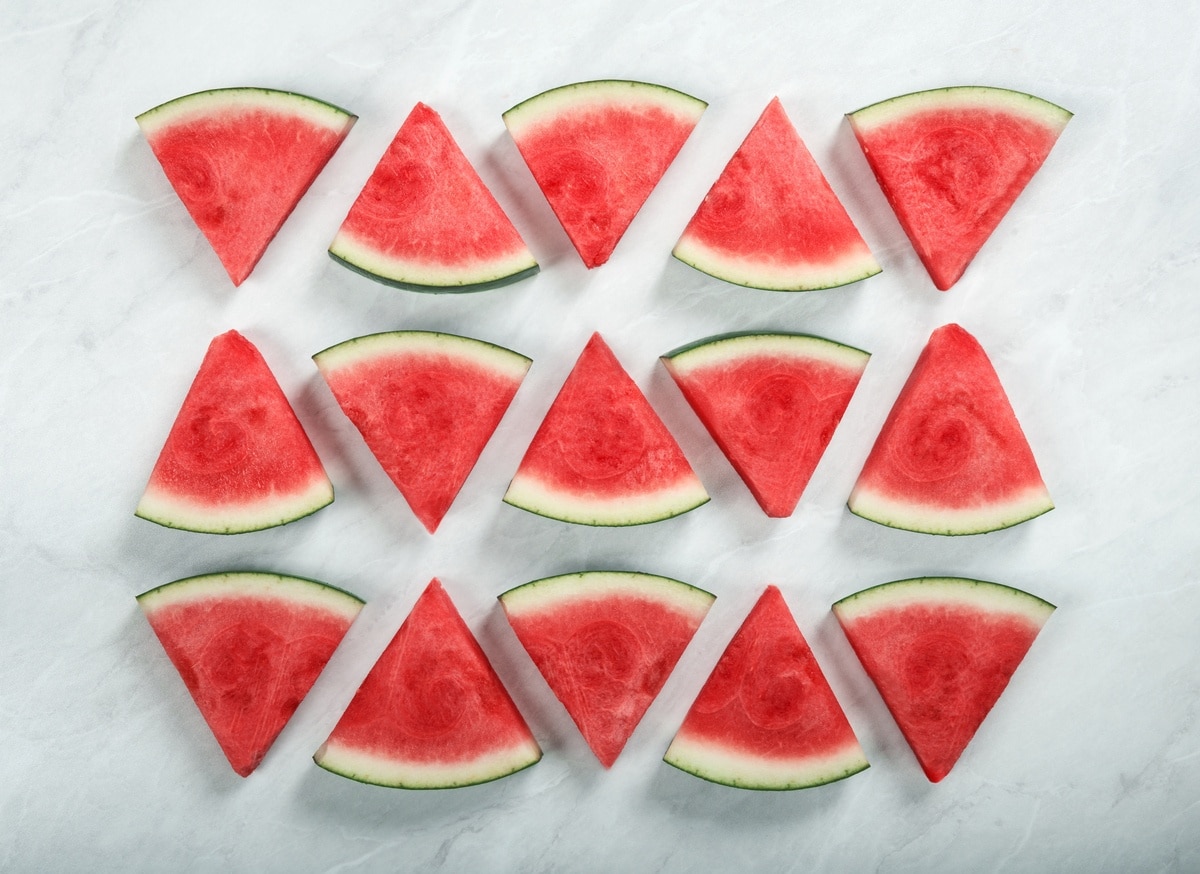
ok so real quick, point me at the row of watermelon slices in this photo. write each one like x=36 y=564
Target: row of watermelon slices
x=950 y=161
x=433 y=713
x=950 y=459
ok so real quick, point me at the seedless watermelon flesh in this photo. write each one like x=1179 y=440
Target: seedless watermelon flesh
x=941 y=650
x=771 y=401
x=597 y=150
x=766 y=718
x=432 y=713
x=426 y=404
x=240 y=159
x=249 y=646
x=951 y=457
x=237 y=458
x=772 y=221
x=605 y=642
x=602 y=456
x=952 y=161
x=425 y=220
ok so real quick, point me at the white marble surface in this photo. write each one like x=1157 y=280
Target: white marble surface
x=1087 y=298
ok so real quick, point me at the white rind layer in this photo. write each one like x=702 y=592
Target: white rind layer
x=1001 y=100
x=530 y=493
x=732 y=767
x=362 y=256
x=733 y=348
x=554 y=103
x=173 y=511
x=951 y=591
x=936 y=519
x=352 y=353
x=382 y=771
x=762 y=273
x=252 y=584
x=227 y=100
x=549 y=594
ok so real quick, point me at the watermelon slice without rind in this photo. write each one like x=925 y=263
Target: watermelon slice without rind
x=772 y=221
x=606 y=642
x=431 y=713
x=597 y=150
x=237 y=458
x=766 y=718
x=941 y=650
x=951 y=457
x=771 y=401
x=240 y=159
x=249 y=646
x=602 y=456
x=426 y=404
x=425 y=221
x=951 y=162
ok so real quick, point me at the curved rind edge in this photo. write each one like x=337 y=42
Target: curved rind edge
x=197 y=581
x=1046 y=108
x=672 y=95
x=696 y=758
x=936 y=588
x=537 y=592
x=213 y=94
x=358 y=767
x=182 y=516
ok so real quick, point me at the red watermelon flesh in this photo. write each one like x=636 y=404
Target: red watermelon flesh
x=240 y=159
x=606 y=642
x=431 y=713
x=772 y=221
x=771 y=402
x=248 y=646
x=597 y=150
x=952 y=161
x=941 y=651
x=237 y=458
x=766 y=718
x=602 y=456
x=426 y=405
x=426 y=221
x=951 y=457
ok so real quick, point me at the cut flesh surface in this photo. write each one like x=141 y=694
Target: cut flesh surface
x=426 y=221
x=432 y=713
x=426 y=404
x=597 y=150
x=772 y=221
x=771 y=401
x=606 y=641
x=951 y=162
x=248 y=646
x=766 y=718
x=941 y=650
x=602 y=456
x=951 y=457
x=237 y=458
x=240 y=159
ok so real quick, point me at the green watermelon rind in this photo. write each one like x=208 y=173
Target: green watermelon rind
x=245 y=583
x=980 y=594
x=734 y=345
x=549 y=103
x=526 y=493
x=350 y=353
x=319 y=111
x=726 y=767
x=366 y=263
x=948 y=521
x=967 y=96
x=549 y=592
x=171 y=511
x=381 y=771
x=747 y=273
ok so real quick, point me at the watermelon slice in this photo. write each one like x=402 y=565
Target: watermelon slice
x=952 y=161
x=248 y=646
x=425 y=221
x=426 y=405
x=431 y=713
x=941 y=650
x=602 y=456
x=771 y=220
x=240 y=159
x=597 y=149
x=237 y=458
x=771 y=401
x=766 y=718
x=951 y=457
x=606 y=641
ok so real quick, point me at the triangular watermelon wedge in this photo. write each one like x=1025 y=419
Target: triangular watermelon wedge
x=941 y=651
x=425 y=221
x=248 y=646
x=240 y=159
x=606 y=641
x=237 y=458
x=431 y=713
x=602 y=456
x=766 y=718
x=772 y=221
x=951 y=457
x=952 y=161
x=426 y=404
x=771 y=401
x=597 y=150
